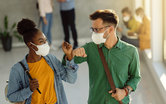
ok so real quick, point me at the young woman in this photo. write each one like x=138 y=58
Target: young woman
x=46 y=70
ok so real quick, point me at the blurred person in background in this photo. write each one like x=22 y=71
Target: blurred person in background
x=130 y=27
x=46 y=13
x=144 y=30
x=67 y=11
x=46 y=70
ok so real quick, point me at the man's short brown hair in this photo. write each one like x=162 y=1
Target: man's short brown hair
x=107 y=15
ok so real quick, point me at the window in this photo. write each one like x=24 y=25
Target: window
x=164 y=37
x=147 y=7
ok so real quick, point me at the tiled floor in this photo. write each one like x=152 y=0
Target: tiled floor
x=146 y=93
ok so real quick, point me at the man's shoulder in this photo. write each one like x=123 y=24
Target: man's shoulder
x=89 y=44
x=128 y=46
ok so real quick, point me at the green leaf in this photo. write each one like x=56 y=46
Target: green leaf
x=6 y=23
x=13 y=26
x=0 y=32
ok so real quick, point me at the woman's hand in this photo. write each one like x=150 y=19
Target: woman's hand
x=34 y=84
x=67 y=49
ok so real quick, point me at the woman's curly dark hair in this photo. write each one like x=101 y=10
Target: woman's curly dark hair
x=27 y=28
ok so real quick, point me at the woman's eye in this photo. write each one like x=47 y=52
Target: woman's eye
x=41 y=41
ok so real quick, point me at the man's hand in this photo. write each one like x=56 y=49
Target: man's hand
x=45 y=20
x=119 y=95
x=80 y=52
x=34 y=84
x=67 y=49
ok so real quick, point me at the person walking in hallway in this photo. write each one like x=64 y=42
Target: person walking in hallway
x=67 y=11
x=47 y=72
x=122 y=59
x=45 y=10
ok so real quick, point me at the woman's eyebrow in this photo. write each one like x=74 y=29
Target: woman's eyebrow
x=40 y=39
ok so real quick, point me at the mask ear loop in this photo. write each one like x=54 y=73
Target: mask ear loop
x=34 y=45
x=107 y=33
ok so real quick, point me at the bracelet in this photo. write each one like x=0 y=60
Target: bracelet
x=129 y=91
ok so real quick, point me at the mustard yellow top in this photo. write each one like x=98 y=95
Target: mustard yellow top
x=133 y=25
x=45 y=76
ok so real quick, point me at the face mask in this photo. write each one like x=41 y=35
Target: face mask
x=138 y=18
x=126 y=18
x=97 y=38
x=43 y=49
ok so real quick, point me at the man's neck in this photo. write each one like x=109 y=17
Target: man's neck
x=111 y=41
x=32 y=57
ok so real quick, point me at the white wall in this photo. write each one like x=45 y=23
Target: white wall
x=17 y=9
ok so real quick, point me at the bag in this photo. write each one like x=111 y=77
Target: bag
x=109 y=76
x=8 y=99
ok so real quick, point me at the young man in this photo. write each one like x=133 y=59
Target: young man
x=122 y=59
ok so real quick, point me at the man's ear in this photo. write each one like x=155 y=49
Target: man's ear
x=111 y=29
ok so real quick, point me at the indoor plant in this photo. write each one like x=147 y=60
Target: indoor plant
x=7 y=33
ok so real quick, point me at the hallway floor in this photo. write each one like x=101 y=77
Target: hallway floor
x=147 y=92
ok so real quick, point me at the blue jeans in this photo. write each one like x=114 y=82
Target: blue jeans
x=47 y=28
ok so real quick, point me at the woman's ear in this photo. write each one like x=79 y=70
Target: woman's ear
x=31 y=46
x=28 y=44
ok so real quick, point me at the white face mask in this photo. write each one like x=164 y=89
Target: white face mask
x=97 y=38
x=138 y=18
x=126 y=18
x=43 y=49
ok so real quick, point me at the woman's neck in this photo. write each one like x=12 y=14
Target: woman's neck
x=32 y=57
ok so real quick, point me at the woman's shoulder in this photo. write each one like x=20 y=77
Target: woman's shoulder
x=16 y=67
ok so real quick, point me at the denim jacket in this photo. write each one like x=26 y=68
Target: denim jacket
x=19 y=89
